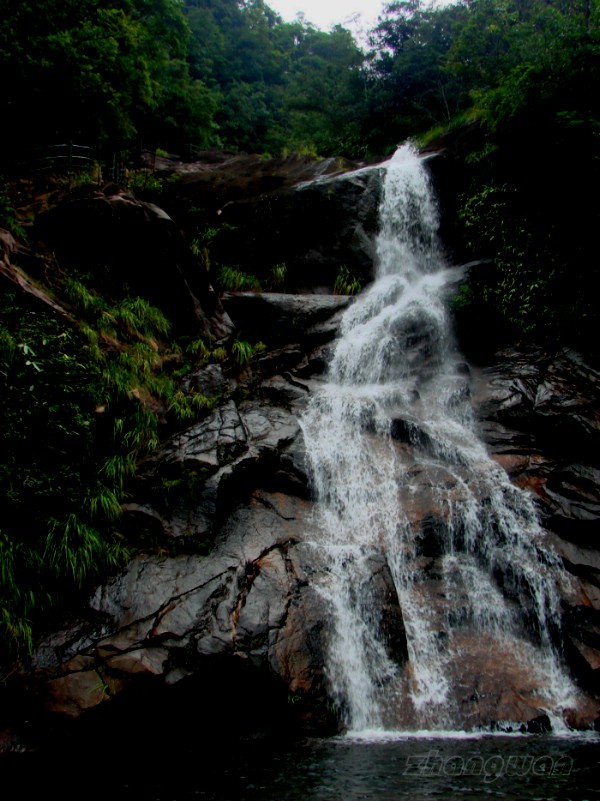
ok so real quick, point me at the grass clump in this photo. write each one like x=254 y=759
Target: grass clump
x=346 y=282
x=231 y=279
x=243 y=351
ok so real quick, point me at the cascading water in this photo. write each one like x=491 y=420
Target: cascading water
x=391 y=434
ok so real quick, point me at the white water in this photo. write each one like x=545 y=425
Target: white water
x=393 y=423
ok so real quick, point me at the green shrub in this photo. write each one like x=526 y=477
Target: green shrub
x=230 y=279
x=79 y=405
x=346 y=282
x=243 y=351
x=8 y=216
x=150 y=186
x=277 y=274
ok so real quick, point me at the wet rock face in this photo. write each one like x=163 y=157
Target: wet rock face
x=230 y=496
x=312 y=228
x=234 y=605
x=164 y=618
x=281 y=319
x=185 y=628
x=181 y=627
x=219 y=613
x=540 y=415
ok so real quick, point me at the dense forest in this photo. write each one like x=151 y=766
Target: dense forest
x=183 y=76
x=182 y=73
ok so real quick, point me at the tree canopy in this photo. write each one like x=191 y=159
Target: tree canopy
x=233 y=74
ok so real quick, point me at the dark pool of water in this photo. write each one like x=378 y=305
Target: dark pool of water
x=516 y=767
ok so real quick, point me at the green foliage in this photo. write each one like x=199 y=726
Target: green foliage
x=411 y=84
x=280 y=86
x=458 y=121
x=489 y=217
x=534 y=72
x=186 y=408
x=202 y=241
x=199 y=350
x=8 y=216
x=150 y=186
x=277 y=275
x=18 y=599
x=243 y=352
x=79 y=405
x=197 y=354
x=49 y=388
x=346 y=282
x=207 y=235
x=231 y=279
x=324 y=99
x=100 y=72
x=220 y=73
x=541 y=281
x=72 y=548
x=203 y=237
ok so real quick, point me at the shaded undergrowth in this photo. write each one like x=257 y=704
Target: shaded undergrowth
x=82 y=399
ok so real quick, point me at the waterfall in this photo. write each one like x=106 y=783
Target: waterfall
x=443 y=597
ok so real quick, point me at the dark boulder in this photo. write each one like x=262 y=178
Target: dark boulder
x=279 y=319
x=128 y=247
x=312 y=216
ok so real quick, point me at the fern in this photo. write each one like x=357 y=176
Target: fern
x=117 y=468
x=17 y=630
x=84 y=299
x=141 y=318
x=188 y=408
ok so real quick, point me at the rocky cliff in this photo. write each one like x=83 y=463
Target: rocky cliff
x=216 y=620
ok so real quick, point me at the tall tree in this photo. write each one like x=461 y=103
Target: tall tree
x=324 y=97
x=411 y=88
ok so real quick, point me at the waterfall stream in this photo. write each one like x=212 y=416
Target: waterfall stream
x=443 y=597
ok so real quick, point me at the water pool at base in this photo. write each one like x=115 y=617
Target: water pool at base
x=385 y=768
